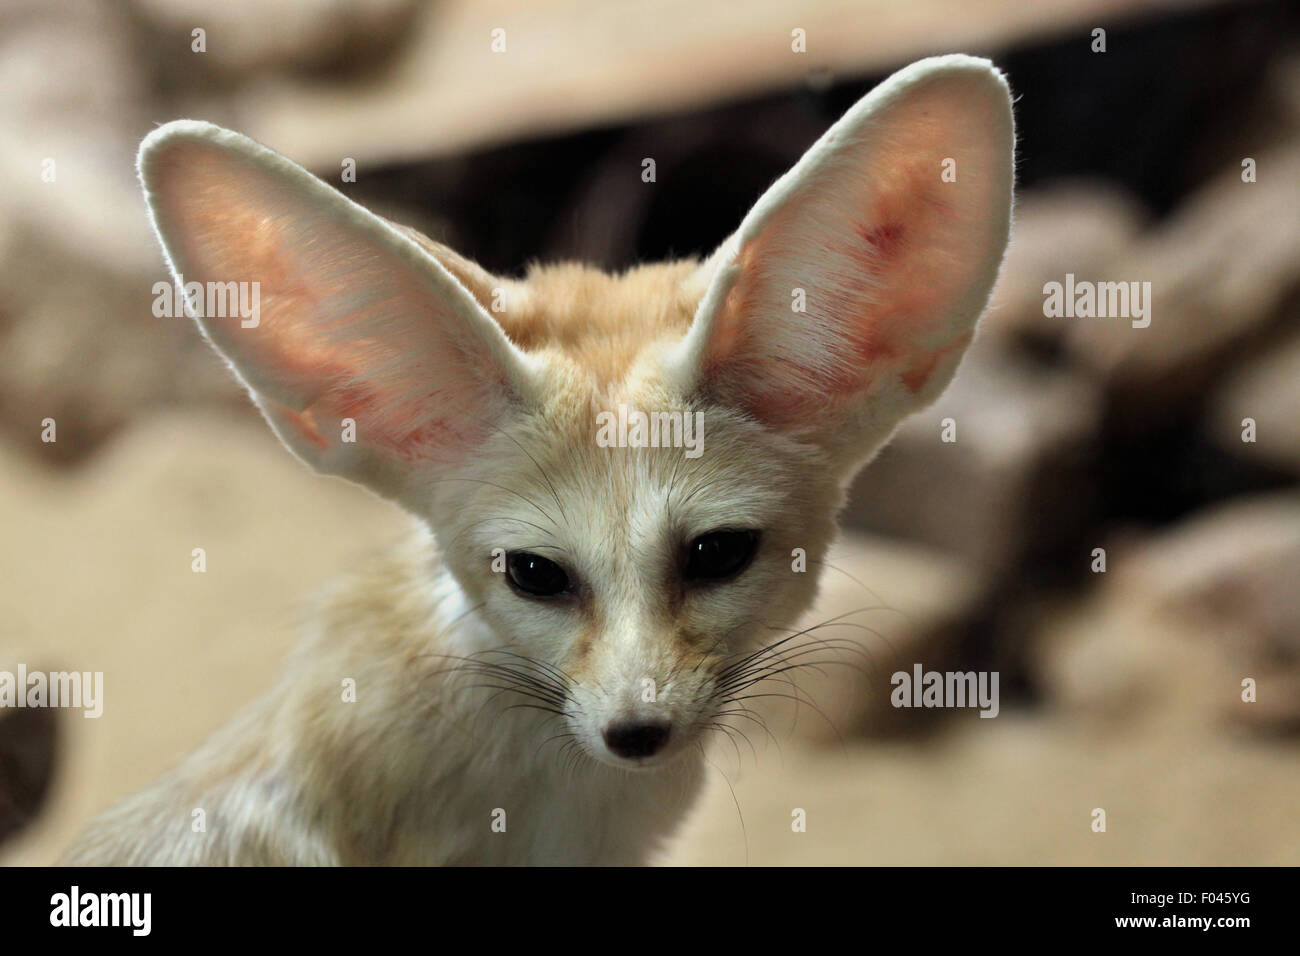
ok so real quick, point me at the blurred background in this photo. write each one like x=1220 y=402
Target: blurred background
x=1121 y=688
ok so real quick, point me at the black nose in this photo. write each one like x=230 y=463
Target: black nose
x=636 y=740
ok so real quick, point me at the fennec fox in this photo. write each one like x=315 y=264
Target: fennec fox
x=609 y=476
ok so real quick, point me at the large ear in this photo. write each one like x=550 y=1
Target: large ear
x=345 y=318
x=888 y=235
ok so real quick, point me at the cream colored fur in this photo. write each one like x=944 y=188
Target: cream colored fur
x=482 y=424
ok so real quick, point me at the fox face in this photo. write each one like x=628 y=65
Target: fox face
x=632 y=479
x=638 y=577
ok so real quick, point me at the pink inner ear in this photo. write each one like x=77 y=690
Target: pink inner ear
x=886 y=251
x=874 y=296
x=408 y=429
x=347 y=328
x=409 y=438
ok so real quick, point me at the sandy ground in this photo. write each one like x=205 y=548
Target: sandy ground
x=97 y=576
x=1020 y=793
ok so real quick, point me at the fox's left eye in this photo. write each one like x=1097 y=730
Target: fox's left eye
x=536 y=576
x=720 y=554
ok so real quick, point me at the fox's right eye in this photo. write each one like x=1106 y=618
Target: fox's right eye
x=536 y=576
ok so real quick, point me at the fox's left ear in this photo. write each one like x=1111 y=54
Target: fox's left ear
x=371 y=357
x=850 y=291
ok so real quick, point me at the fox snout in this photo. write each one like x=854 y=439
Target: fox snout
x=636 y=739
x=639 y=703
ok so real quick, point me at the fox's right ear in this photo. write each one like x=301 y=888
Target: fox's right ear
x=850 y=291
x=368 y=358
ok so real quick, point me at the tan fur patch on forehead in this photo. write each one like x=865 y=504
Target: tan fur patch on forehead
x=602 y=322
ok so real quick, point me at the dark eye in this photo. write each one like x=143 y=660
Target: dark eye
x=535 y=575
x=719 y=554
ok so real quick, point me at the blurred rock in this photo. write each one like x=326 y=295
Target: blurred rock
x=70 y=119
x=1181 y=619
x=29 y=737
x=62 y=60
x=1010 y=487
x=1267 y=390
x=77 y=257
x=28 y=751
x=1070 y=227
x=883 y=606
x=83 y=347
x=1238 y=564
x=1112 y=660
x=1284 y=83
x=247 y=37
x=1219 y=270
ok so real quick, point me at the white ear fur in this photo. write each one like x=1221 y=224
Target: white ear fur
x=356 y=319
x=895 y=262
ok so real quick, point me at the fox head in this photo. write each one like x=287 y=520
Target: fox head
x=631 y=478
